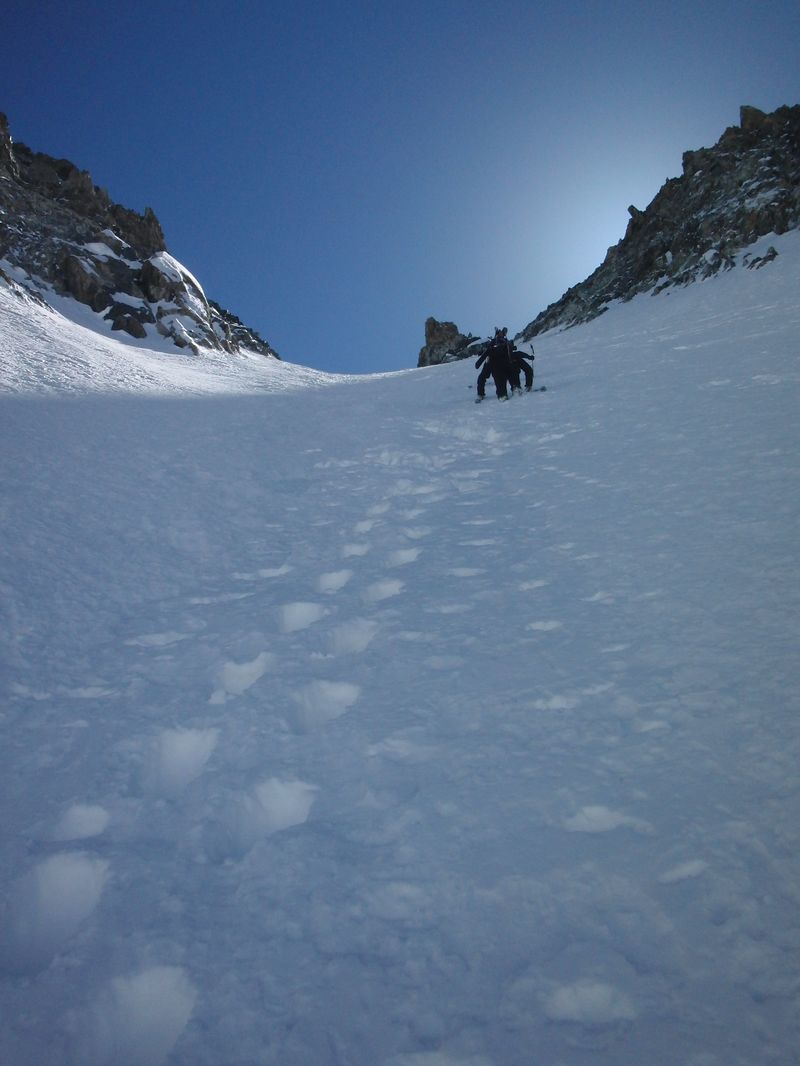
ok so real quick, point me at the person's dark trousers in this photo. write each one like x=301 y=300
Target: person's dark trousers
x=500 y=382
x=527 y=370
x=483 y=377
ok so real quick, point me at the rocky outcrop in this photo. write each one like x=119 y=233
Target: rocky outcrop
x=61 y=234
x=238 y=334
x=745 y=187
x=444 y=343
x=8 y=163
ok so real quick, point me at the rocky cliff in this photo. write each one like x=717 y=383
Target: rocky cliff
x=60 y=233
x=745 y=187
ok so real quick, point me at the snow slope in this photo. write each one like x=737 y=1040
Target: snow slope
x=345 y=722
x=64 y=348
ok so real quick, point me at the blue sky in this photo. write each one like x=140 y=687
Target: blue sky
x=333 y=173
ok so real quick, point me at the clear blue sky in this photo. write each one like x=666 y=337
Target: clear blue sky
x=333 y=172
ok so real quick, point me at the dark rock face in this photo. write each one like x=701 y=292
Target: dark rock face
x=61 y=233
x=746 y=186
x=8 y=163
x=444 y=343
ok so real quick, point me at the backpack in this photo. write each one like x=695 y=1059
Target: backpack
x=500 y=351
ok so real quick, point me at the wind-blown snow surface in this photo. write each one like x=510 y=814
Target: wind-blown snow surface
x=355 y=724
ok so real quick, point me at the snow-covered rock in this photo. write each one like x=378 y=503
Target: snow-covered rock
x=60 y=234
x=728 y=196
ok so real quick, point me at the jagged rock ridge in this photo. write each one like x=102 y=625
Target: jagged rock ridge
x=745 y=187
x=61 y=233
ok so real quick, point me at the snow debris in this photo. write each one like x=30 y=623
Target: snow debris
x=80 y=821
x=590 y=1003
x=137 y=1020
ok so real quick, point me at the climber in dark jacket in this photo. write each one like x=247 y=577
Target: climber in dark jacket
x=520 y=364
x=498 y=363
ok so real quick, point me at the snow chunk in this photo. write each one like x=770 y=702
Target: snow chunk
x=179 y=757
x=333 y=581
x=383 y=590
x=350 y=550
x=282 y=804
x=137 y=1020
x=590 y=1003
x=47 y=907
x=556 y=703
x=270 y=807
x=250 y=817
x=297 y=616
x=275 y=571
x=157 y=640
x=353 y=636
x=598 y=819
x=236 y=678
x=436 y=1058
x=322 y=701
x=404 y=556
x=683 y=872
x=81 y=821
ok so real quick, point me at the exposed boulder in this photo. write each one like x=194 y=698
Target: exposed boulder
x=81 y=280
x=125 y=320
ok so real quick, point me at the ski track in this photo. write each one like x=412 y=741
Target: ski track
x=467 y=736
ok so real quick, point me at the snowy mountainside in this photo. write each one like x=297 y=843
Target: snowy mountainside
x=726 y=200
x=364 y=725
x=53 y=347
x=728 y=196
x=61 y=236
